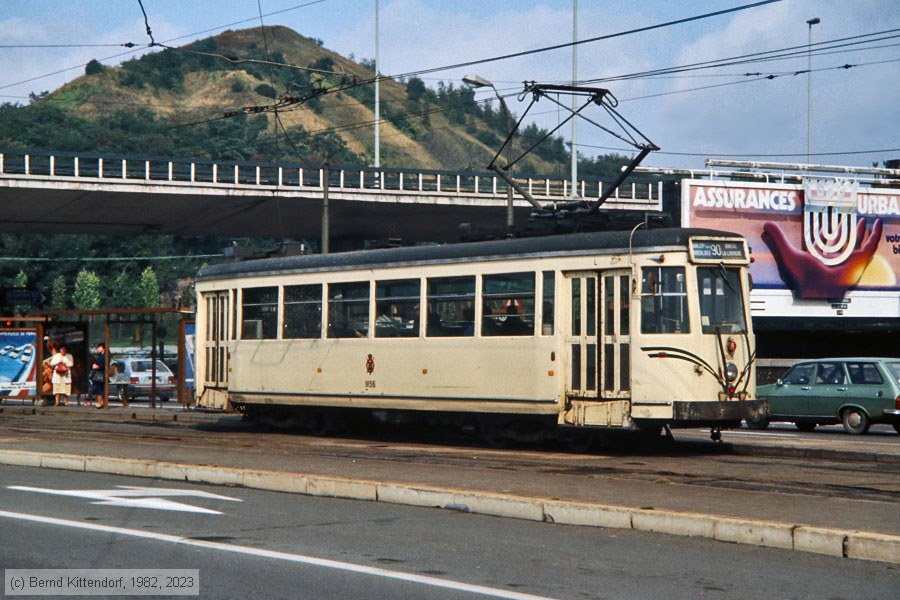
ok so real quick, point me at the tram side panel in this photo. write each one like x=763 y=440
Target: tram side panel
x=452 y=374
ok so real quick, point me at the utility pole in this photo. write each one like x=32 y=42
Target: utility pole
x=811 y=22
x=377 y=93
x=574 y=99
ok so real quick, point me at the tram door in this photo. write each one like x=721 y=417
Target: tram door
x=215 y=349
x=581 y=336
x=615 y=336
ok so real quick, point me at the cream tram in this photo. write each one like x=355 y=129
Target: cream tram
x=521 y=337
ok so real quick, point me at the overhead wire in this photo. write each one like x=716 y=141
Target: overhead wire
x=790 y=52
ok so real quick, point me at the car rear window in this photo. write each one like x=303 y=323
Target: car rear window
x=147 y=365
x=864 y=373
x=894 y=368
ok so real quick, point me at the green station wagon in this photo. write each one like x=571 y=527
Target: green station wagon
x=856 y=392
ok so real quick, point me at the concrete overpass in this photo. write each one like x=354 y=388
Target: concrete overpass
x=54 y=193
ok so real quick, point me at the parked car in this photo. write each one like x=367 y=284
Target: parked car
x=856 y=392
x=134 y=377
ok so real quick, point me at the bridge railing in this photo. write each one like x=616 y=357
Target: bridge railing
x=94 y=168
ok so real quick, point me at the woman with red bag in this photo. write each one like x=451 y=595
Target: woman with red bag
x=62 y=363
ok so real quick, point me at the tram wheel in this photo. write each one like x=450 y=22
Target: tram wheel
x=494 y=433
x=576 y=440
x=321 y=424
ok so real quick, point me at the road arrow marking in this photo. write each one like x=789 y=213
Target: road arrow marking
x=136 y=497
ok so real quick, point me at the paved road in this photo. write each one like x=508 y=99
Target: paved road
x=822 y=483
x=252 y=543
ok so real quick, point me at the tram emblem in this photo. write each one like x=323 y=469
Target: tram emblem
x=370 y=365
x=829 y=219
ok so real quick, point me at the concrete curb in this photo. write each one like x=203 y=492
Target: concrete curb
x=803 y=538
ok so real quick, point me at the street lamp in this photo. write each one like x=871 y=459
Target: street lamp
x=811 y=22
x=478 y=82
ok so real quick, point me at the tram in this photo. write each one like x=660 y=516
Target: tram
x=550 y=336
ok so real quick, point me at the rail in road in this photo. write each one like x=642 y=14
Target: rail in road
x=691 y=488
x=74 y=168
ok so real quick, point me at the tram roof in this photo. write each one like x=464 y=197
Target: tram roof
x=569 y=244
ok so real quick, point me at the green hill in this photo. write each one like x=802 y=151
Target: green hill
x=226 y=98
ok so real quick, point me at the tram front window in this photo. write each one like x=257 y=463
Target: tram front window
x=721 y=301
x=664 y=307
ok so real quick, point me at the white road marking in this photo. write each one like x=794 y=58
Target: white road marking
x=285 y=556
x=136 y=497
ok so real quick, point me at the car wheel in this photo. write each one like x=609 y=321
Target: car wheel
x=760 y=422
x=855 y=421
x=163 y=398
x=805 y=426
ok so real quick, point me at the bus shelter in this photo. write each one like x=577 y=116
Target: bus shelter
x=164 y=334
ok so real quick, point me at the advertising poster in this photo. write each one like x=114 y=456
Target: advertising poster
x=190 y=330
x=18 y=356
x=827 y=247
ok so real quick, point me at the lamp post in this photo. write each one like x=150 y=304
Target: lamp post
x=477 y=82
x=811 y=22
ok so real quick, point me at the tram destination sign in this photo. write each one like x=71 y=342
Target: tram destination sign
x=718 y=250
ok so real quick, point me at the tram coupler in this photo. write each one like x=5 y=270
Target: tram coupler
x=715 y=434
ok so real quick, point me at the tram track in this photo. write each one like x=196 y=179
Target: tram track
x=685 y=464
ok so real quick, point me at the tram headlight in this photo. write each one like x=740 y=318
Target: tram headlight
x=731 y=372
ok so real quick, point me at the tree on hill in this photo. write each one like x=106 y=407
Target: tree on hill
x=58 y=294
x=87 y=291
x=148 y=289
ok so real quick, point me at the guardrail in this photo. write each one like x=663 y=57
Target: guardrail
x=94 y=168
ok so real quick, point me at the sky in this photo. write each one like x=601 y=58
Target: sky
x=692 y=115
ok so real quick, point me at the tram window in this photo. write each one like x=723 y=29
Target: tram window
x=721 y=301
x=348 y=309
x=508 y=304
x=302 y=311
x=451 y=307
x=259 y=313
x=397 y=308
x=664 y=307
x=549 y=299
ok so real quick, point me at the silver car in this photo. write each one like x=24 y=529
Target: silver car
x=134 y=379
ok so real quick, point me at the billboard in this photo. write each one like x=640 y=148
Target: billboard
x=826 y=247
x=18 y=357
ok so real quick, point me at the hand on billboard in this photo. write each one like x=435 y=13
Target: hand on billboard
x=812 y=279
